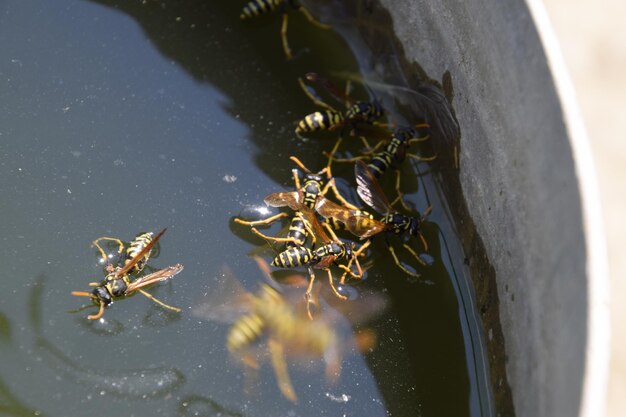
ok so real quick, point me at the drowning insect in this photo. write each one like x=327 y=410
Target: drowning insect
x=365 y=112
x=310 y=195
x=322 y=257
x=268 y=314
x=118 y=282
x=392 y=156
x=392 y=223
x=256 y=8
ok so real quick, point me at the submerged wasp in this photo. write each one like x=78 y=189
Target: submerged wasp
x=118 y=282
x=256 y=8
x=268 y=315
x=392 y=156
x=323 y=257
x=393 y=222
x=356 y=113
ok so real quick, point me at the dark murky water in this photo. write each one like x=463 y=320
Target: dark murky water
x=123 y=117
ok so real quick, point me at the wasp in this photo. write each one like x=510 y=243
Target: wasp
x=322 y=257
x=393 y=222
x=118 y=283
x=357 y=112
x=268 y=314
x=311 y=195
x=256 y=8
x=393 y=155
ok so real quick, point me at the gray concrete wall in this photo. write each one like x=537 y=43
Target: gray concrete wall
x=520 y=182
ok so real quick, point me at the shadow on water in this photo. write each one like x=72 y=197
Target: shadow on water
x=10 y=405
x=425 y=369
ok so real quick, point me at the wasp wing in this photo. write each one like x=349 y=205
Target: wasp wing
x=292 y=199
x=328 y=209
x=365 y=227
x=318 y=230
x=158 y=276
x=340 y=96
x=225 y=301
x=369 y=189
x=129 y=265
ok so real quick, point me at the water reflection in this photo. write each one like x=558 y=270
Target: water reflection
x=197 y=405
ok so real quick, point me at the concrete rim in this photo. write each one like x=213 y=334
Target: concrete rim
x=595 y=383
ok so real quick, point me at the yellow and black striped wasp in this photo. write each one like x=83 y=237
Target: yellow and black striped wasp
x=118 y=283
x=356 y=113
x=323 y=257
x=393 y=222
x=268 y=314
x=256 y=8
x=392 y=156
x=310 y=195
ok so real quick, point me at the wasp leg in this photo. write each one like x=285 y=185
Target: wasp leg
x=331 y=154
x=330 y=231
x=344 y=160
x=314 y=99
x=313 y=20
x=283 y=37
x=331 y=281
x=422 y=158
x=368 y=148
x=98 y=314
x=113 y=239
x=415 y=255
x=400 y=196
x=307 y=295
x=402 y=267
x=331 y=184
x=355 y=259
x=161 y=303
x=263 y=222
x=277 y=355
x=272 y=238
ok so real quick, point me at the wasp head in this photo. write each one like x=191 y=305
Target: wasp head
x=102 y=294
x=403 y=134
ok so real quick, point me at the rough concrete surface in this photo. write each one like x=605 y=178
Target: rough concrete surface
x=520 y=181
x=594 y=47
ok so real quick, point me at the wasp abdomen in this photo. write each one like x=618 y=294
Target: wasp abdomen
x=321 y=120
x=365 y=111
x=293 y=257
x=259 y=7
x=141 y=241
x=297 y=231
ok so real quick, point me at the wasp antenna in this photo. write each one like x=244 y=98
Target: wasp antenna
x=82 y=294
x=300 y=164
